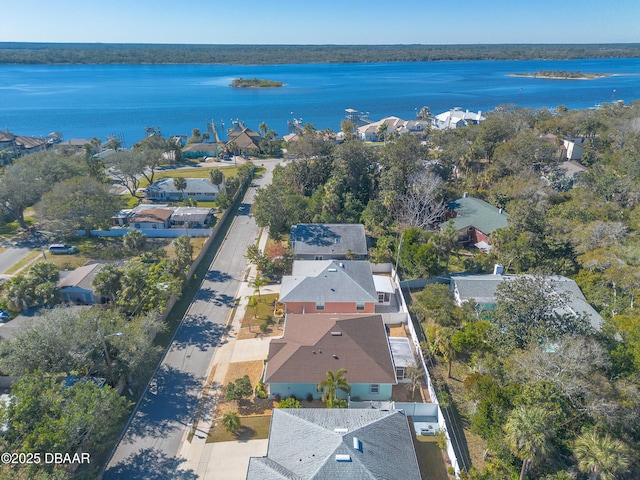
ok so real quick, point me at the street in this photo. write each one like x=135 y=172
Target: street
x=150 y=444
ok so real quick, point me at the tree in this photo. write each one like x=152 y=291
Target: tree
x=216 y=176
x=529 y=310
x=382 y=132
x=422 y=205
x=239 y=389
x=80 y=203
x=45 y=415
x=332 y=384
x=527 y=433
x=601 y=456
x=231 y=422
x=127 y=166
x=414 y=373
x=263 y=128
x=257 y=283
x=134 y=240
x=180 y=183
x=195 y=137
x=108 y=281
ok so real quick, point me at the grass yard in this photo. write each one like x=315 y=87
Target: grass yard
x=252 y=428
x=256 y=314
x=430 y=459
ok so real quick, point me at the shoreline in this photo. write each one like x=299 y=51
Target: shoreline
x=594 y=76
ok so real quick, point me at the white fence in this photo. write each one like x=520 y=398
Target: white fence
x=442 y=424
x=152 y=232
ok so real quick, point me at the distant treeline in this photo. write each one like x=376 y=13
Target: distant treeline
x=99 y=53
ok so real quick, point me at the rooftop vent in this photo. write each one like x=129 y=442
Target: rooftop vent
x=357 y=444
x=336 y=357
x=341 y=430
x=332 y=270
x=341 y=265
x=336 y=334
x=343 y=458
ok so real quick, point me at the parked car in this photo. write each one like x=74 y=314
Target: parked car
x=62 y=249
x=4 y=316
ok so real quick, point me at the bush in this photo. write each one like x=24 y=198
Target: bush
x=290 y=402
x=264 y=326
x=239 y=389
x=277 y=397
x=260 y=391
x=309 y=397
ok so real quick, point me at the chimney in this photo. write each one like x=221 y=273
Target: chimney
x=498 y=269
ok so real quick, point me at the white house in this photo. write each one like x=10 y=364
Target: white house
x=200 y=189
x=456 y=118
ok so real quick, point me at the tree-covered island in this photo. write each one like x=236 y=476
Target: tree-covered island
x=255 y=83
x=562 y=75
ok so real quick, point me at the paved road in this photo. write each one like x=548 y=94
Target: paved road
x=12 y=256
x=150 y=445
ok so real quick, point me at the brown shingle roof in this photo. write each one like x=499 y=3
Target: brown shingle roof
x=310 y=347
x=152 y=215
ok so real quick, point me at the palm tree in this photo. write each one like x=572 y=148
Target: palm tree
x=231 y=422
x=382 y=132
x=331 y=385
x=443 y=344
x=263 y=128
x=602 y=457
x=181 y=185
x=527 y=433
x=257 y=283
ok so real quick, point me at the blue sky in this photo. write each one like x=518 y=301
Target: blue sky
x=321 y=22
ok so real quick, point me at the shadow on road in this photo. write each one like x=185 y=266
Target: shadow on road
x=150 y=464
x=217 y=276
x=198 y=331
x=174 y=400
x=243 y=210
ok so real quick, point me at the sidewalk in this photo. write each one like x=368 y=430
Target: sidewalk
x=227 y=460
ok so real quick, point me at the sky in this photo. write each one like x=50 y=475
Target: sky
x=344 y=22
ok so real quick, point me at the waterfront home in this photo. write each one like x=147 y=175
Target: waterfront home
x=151 y=218
x=325 y=444
x=328 y=241
x=315 y=344
x=200 y=189
x=456 y=118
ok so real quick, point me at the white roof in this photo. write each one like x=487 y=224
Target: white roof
x=383 y=284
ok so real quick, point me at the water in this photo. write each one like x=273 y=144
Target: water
x=89 y=101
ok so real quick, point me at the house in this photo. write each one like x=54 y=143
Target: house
x=456 y=118
x=482 y=289
x=151 y=218
x=573 y=148
x=192 y=217
x=77 y=286
x=329 y=286
x=245 y=140
x=326 y=444
x=318 y=241
x=475 y=220
x=201 y=150
x=315 y=344
x=369 y=132
x=200 y=189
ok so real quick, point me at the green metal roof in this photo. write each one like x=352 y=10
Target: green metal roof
x=473 y=212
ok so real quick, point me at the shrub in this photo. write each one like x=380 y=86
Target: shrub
x=231 y=422
x=260 y=391
x=290 y=402
x=239 y=389
x=264 y=326
x=277 y=397
x=309 y=397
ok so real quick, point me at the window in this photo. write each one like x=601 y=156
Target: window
x=384 y=297
x=320 y=306
x=374 y=388
x=400 y=373
x=360 y=306
x=318 y=257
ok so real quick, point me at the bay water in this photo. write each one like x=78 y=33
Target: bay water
x=86 y=101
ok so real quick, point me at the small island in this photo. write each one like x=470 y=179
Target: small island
x=254 y=83
x=562 y=75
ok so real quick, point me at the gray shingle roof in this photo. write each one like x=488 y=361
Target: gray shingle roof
x=473 y=212
x=482 y=289
x=310 y=348
x=194 y=185
x=305 y=442
x=329 y=281
x=328 y=239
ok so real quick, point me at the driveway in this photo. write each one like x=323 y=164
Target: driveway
x=149 y=447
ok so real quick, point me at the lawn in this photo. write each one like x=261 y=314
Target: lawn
x=430 y=459
x=257 y=313
x=252 y=428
